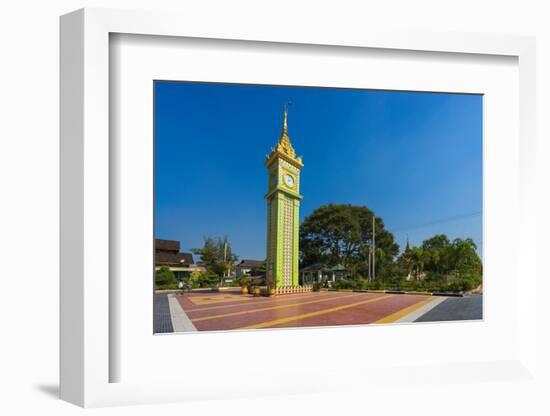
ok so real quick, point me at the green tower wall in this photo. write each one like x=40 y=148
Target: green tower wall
x=276 y=238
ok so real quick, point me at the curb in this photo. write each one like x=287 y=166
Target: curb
x=449 y=294
x=399 y=292
x=419 y=293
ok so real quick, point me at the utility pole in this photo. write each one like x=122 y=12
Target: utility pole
x=373 y=250
x=368 y=265
x=225 y=258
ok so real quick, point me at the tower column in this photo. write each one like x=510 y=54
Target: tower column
x=283 y=201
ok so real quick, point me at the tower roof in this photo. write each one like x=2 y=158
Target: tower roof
x=284 y=146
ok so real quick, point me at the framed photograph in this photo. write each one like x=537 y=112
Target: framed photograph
x=256 y=215
x=264 y=256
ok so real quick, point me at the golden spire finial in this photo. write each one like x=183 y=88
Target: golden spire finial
x=285 y=116
x=284 y=146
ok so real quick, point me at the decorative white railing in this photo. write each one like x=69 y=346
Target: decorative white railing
x=293 y=289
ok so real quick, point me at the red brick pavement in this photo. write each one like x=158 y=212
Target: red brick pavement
x=246 y=302
x=244 y=310
x=360 y=314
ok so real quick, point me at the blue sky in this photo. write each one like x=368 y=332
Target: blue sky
x=414 y=158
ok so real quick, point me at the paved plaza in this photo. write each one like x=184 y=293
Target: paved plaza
x=220 y=311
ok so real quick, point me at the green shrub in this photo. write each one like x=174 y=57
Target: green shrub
x=411 y=285
x=195 y=278
x=461 y=285
x=376 y=285
x=165 y=278
x=363 y=284
x=474 y=280
x=209 y=280
x=436 y=283
x=344 y=284
x=244 y=280
x=434 y=279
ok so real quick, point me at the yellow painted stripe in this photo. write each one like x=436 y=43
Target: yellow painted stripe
x=248 y=301
x=403 y=312
x=290 y=305
x=316 y=313
x=205 y=300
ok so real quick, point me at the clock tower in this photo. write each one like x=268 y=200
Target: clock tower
x=283 y=208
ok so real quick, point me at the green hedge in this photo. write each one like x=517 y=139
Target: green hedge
x=457 y=284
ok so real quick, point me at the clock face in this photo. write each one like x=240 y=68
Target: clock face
x=289 y=180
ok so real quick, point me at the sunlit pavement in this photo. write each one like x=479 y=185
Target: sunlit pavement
x=219 y=311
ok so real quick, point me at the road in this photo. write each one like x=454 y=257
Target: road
x=455 y=309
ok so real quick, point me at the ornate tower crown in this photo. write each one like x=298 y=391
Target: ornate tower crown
x=284 y=146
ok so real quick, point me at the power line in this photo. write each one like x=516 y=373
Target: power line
x=438 y=221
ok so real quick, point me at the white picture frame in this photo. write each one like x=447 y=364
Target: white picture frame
x=86 y=292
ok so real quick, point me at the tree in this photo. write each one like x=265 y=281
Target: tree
x=405 y=262
x=216 y=255
x=165 y=277
x=438 y=241
x=260 y=270
x=195 y=278
x=456 y=263
x=418 y=259
x=342 y=234
x=438 y=254
x=466 y=262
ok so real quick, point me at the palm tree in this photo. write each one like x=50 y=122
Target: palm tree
x=418 y=258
